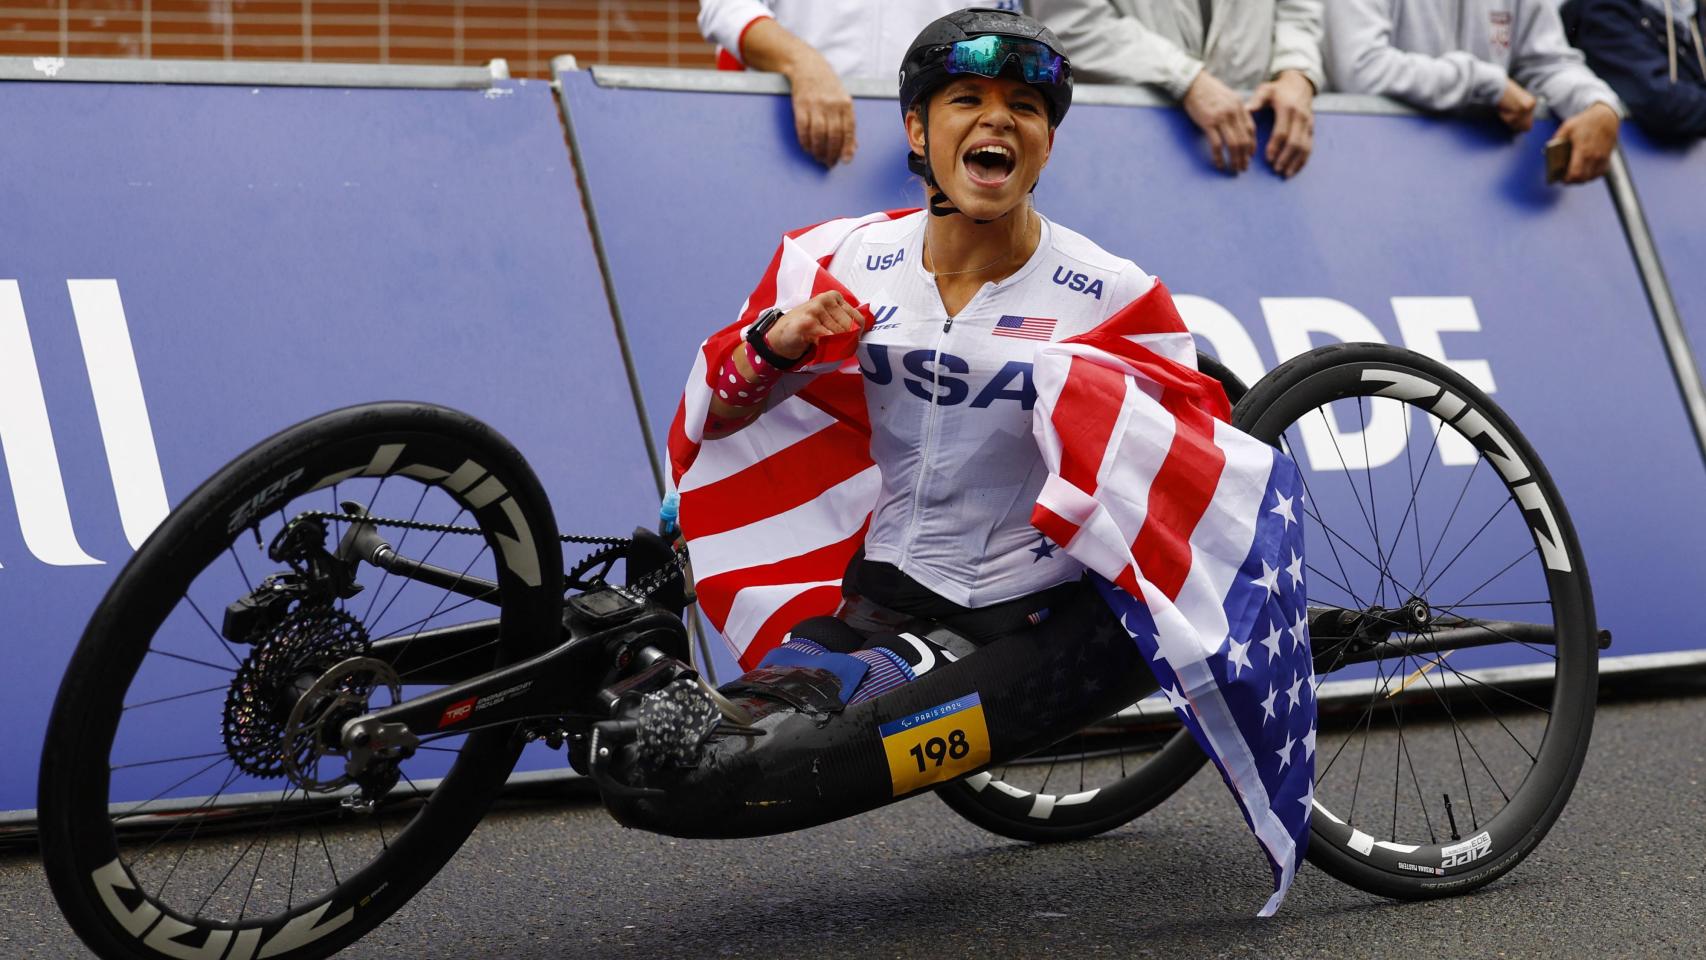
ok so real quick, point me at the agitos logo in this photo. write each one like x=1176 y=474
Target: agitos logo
x=26 y=436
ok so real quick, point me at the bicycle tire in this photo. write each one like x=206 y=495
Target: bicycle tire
x=136 y=645
x=1432 y=854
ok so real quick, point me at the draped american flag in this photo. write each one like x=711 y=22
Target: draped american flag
x=1191 y=528
x=1190 y=524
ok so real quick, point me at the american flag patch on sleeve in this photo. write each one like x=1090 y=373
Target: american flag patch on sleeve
x=1025 y=328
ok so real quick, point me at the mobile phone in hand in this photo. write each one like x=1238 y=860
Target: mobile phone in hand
x=1557 y=160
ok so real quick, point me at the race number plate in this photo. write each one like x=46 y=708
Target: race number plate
x=936 y=744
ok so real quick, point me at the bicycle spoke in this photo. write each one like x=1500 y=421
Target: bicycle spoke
x=1384 y=573
x=1346 y=590
x=1502 y=571
x=1373 y=505
x=223 y=643
x=374 y=626
x=1410 y=759
x=328 y=852
x=1456 y=730
x=178 y=656
x=177 y=696
x=417 y=625
x=116 y=818
x=1474 y=468
x=402 y=541
x=1344 y=467
x=1310 y=501
x=1507 y=638
x=194 y=831
x=154 y=763
x=455 y=656
x=248 y=584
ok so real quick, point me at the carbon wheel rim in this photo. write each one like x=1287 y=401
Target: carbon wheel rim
x=155 y=832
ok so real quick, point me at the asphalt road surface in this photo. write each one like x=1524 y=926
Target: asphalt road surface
x=1623 y=874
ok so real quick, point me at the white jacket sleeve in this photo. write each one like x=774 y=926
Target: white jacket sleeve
x=723 y=21
x=1297 y=40
x=1105 y=47
x=1361 y=58
x=1544 y=62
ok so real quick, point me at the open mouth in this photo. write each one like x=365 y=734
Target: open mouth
x=989 y=164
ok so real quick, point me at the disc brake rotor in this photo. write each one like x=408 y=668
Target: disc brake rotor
x=342 y=693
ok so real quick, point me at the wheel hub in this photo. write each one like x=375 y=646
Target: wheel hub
x=313 y=731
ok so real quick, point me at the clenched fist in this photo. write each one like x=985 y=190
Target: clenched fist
x=824 y=315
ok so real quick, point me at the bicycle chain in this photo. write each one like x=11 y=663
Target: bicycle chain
x=644 y=587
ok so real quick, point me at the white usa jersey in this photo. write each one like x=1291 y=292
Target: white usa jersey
x=950 y=401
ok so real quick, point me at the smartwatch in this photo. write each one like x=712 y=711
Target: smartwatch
x=755 y=339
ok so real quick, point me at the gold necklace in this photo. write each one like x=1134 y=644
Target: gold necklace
x=954 y=273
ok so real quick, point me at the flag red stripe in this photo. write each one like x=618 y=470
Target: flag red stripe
x=816 y=602
x=1178 y=498
x=842 y=396
x=1084 y=417
x=1127 y=581
x=778 y=483
x=1053 y=525
x=716 y=594
x=1152 y=313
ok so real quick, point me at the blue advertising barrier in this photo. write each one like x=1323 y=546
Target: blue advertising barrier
x=1437 y=235
x=186 y=269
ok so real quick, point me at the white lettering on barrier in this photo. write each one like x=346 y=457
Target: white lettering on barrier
x=1421 y=320
x=1230 y=341
x=120 y=407
x=26 y=437
x=1297 y=324
x=1379 y=436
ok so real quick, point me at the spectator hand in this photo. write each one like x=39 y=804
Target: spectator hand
x=1292 y=98
x=1516 y=107
x=1217 y=111
x=824 y=315
x=823 y=110
x=1592 y=135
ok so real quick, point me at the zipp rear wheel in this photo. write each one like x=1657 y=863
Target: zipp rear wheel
x=193 y=794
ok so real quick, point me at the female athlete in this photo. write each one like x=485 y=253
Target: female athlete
x=923 y=431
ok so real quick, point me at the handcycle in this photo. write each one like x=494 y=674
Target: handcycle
x=279 y=724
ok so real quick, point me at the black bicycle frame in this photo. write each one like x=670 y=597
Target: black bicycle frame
x=602 y=639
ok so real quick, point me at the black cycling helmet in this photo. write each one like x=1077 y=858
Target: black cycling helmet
x=939 y=51
x=988 y=43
